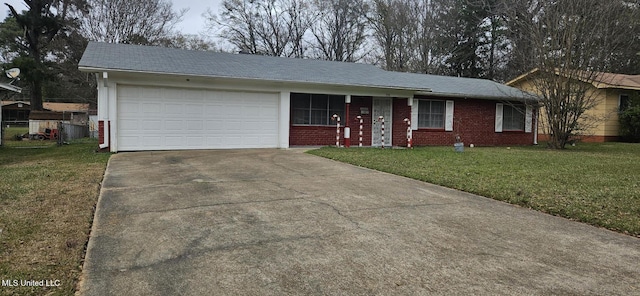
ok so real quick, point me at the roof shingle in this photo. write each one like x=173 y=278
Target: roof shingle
x=148 y=59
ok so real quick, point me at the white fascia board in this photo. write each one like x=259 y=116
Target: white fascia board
x=249 y=85
x=384 y=89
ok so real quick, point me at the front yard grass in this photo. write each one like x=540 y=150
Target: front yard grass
x=47 y=199
x=597 y=184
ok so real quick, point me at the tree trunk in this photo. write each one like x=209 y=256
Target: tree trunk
x=558 y=139
x=36 y=95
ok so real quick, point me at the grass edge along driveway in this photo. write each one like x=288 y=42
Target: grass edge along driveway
x=598 y=184
x=47 y=198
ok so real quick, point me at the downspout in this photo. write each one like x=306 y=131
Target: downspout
x=347 y=129
x=105 y=125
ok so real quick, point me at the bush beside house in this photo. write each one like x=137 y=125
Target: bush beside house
x=630 y=124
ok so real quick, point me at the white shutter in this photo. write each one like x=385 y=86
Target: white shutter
x=414 y=115
x=448 y=118
x=498 y=118
x=528 y=121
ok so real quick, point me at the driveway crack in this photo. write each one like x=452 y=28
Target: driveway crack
x=191 y=250
x=354 y=222
x=217 y=205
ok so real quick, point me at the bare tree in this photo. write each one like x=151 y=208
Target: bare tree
x=340 y=31
x=395 y=30
x=569 y=43
x=188 y=41
x=129 y=21
x=431 y=50
x=268 y=27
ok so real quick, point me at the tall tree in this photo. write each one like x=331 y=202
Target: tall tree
x=267 y=27
x=408 y=34
x=394 y=25
x=493 y=40
x=40 y=25
x=464 y=33
x=432 y=50
x=570 y=42
x=340 y=31
x=65 y=52
x=145 y=22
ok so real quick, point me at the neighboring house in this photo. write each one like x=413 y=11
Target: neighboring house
x=18 y=112
x=93 y=123
x=613 y=93
x=15 y=112
x=153 y=98
x=10 y=87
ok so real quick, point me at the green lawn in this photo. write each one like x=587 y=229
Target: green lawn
x=47 y=199
x=597 y=184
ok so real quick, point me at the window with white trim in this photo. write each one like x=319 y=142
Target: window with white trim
x=315 y=109
x=431 y=114
x=513 y=118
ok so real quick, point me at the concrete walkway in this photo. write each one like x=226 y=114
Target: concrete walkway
x=274 y=222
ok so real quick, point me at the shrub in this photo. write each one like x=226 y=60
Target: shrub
x=630 y=124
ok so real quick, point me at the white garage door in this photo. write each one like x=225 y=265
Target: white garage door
x=157 y=118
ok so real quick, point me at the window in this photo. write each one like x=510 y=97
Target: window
x=316 y=109
x=513 y=118
x=624 y=103
x=431 y=114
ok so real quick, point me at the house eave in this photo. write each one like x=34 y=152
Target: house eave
x=382 y=87
x=480 y=97
x=611 y=86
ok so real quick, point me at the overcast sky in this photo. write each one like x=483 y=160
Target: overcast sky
x=192 y=23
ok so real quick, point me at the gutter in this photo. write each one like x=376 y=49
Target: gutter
x=92 y=69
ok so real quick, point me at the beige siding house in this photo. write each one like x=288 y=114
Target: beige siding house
x=613 y=93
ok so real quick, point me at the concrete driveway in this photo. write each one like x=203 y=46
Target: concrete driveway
x=273 y=222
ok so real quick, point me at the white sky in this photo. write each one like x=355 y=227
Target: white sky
x=192 y=23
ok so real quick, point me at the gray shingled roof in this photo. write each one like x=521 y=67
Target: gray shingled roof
x=148 y=59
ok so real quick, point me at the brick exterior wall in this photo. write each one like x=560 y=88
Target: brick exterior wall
x=101 y=132
x=356 y=104
x=474 y=121
x=585 y=139
x=399 y=129
x=301 y=135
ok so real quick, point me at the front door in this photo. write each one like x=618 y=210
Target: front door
x=381 y=107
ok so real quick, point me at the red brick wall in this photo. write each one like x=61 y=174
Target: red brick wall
x=585 y=139
x=101 y=132
x=474 y=121
x=356 y=104
x=399 y=129
x=300 y=135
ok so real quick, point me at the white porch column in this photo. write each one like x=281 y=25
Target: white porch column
x=283 y=118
